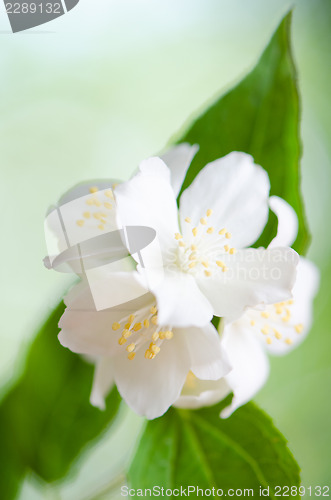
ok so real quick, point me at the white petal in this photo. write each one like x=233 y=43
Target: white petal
x=103 y=381
x=198 y=393
x=180 y=301
x=178 y=159
x=236 y=190
x=254 y=276
x=304 y=291
x=250 y=367
x=148 y=200
x=208 y=360
x=112 y=289
x=87 y=331
x=149 y=387
x=287 y=229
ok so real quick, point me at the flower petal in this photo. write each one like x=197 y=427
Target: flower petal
x=148 y=200
x=198 y=393
x=254 y=276
x=85 y=330
x=178 y=160
x=103 y=381
x=150 y=386
x=250 y=366
x=236 y=190
x=287 y=229
x=180 y=301
x=208 y=360
x=296 y=329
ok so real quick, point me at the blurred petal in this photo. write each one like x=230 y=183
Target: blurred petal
x=254 y=276
x=103 y=381
x=250 y=367
x=287 y=229
x=236 y=190
x=208 y=360
x=178 y=160
x=198 y=393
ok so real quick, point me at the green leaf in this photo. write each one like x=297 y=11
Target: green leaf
x=46 y=419
x=259 y=116
x=198 y=448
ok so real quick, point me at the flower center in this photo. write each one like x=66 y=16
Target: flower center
x=141 y=328
x=202 y=248
x=265 y=323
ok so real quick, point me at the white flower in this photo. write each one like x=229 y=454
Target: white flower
x=198 y=265
x=277 y=329
x=147 y=361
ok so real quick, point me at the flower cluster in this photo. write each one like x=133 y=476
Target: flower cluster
x=152 y=277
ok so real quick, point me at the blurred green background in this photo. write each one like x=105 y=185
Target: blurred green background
x=90 y=95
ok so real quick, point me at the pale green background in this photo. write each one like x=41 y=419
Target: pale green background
x=94 y=92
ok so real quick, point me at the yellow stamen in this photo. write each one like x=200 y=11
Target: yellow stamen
x=154 y=348
x=210 y=230
x=299 y=328
x=169 y=334
x=220 y=263
x=178 y=236
x=203 y=221
x=80 y=223
x=131 y=347
x=93 y=189
x=131 y=356
x=188 y=220
x=193 y=247
x=208 y=273
x=126 y=333
x=87 y=215
x=108 y=205
x=265 y=330
x=232 y=251
x=181 y=243
x=109 y=194
x=192 y=264
x=288 y=341
x=116 y=326
x=225 y=269
x=252 y=322
x=278 y=335
x=192 y=256
x=136 y=327
x=226 y=248
x=121 y=340
x=146 y=323
x=195 y=231
x=153 y=310
x=155 y=336
x=205 y=263
x=268 y=340
x=101 y=227
x=222 y=231
x=154 y=320
x=228 y=236
x=209 y=212
x=265 y=314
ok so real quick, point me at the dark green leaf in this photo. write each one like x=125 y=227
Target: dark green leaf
x=198 y=448
x=259 y=116
x=46 y=419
